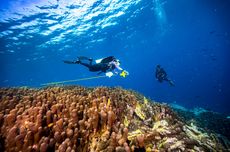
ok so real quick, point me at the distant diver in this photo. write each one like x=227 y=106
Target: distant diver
x=109 y=65
x=161 y=75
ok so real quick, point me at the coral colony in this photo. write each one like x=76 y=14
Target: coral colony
x=74 y=118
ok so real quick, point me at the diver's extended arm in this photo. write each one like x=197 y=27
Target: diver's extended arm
x=118 y=67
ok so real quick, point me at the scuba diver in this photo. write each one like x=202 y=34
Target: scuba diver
x=109 y=65
x=161 y=75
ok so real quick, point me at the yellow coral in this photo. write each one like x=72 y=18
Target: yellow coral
x=93 y=144
x=161 y=127
x=177 y=145
x=139 y=112
x=134 y=134
x=160 y=124
x=109 y=102
x=194 y=133
x=126 y=122
x=149 y=148
x=145 y=101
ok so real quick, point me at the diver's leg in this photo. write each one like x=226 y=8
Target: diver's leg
x=68 y=62
x=86 y=64
x=84 y=58
x=71 y=62
x=171 y=83
x=79 y=60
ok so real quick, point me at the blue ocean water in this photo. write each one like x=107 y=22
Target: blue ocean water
x=189 y=39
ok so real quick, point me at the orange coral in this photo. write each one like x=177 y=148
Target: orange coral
x=75 y=118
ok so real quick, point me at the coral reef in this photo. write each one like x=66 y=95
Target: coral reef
x=211 y=121
x=74 y=118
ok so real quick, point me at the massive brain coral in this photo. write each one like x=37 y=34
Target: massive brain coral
x=74 y=118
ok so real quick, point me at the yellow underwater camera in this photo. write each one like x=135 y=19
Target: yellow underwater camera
x=124 y=73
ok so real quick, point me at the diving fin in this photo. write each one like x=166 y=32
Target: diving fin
x=71 y=62
x=171 y=83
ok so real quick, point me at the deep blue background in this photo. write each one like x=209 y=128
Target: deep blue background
x=191 y=42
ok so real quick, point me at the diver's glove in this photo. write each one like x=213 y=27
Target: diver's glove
x=124 y=73
x=109 y=74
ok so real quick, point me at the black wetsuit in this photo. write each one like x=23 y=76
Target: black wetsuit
x=103 y=66
x=161 y=75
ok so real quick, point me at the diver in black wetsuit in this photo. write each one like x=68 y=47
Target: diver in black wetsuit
x=161 y=75
x=102 y=65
